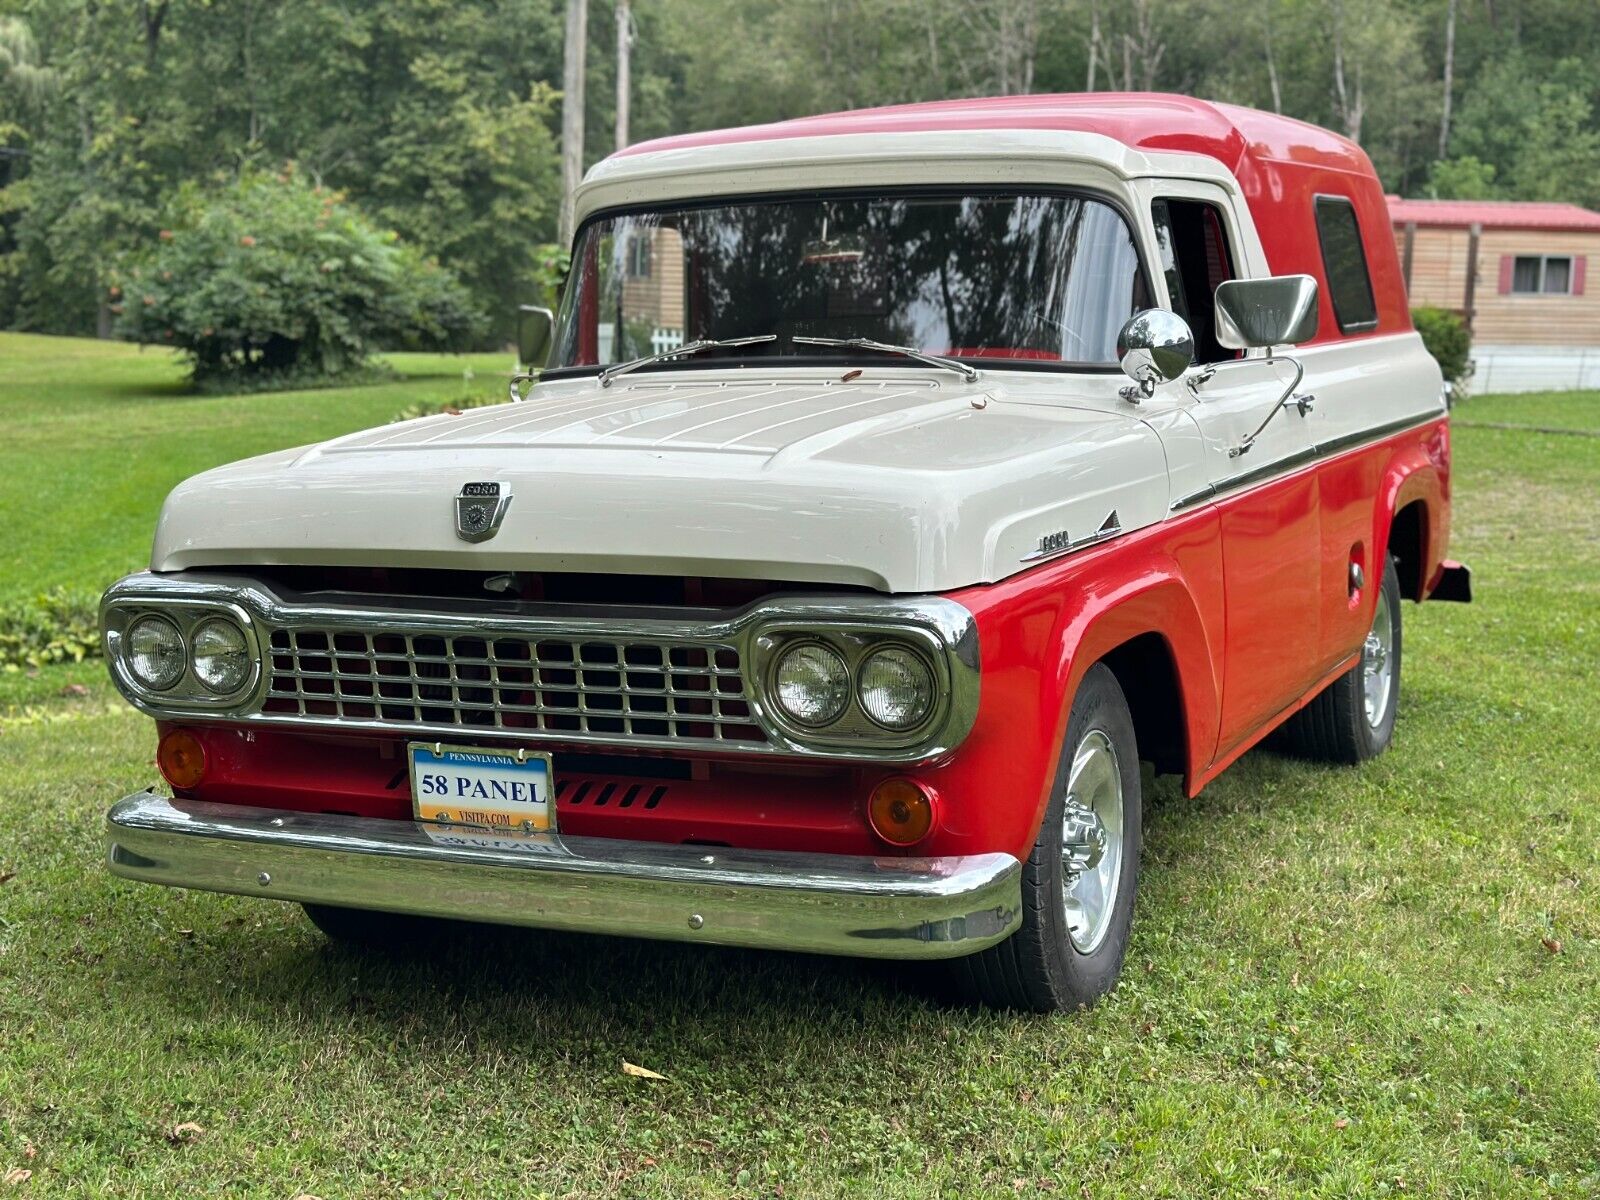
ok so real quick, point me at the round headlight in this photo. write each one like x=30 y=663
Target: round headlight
x=152 y=650
x=812 y=684
x=222 y=658
x=896 y=688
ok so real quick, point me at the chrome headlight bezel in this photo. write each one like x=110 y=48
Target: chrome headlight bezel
x=951 y=663
x=118 y=615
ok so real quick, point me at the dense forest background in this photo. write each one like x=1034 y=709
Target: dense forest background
x=440 y=119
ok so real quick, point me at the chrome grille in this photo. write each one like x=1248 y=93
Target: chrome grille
x=603 y=688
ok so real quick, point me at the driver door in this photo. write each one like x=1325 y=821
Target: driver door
x=1266 y=498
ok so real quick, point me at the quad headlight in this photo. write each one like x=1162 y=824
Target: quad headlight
x=220 y=655
x=812 y=684
x=853 y=685
x=181 y=655
x=895 y=688
x=153 y=652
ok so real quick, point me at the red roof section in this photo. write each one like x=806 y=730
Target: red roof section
x=1282 y=165
x=1146 y=120
x=1499 y=214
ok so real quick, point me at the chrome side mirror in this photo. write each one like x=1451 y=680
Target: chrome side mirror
x=1154 y=347
x=535 y=325
x=1280 y=311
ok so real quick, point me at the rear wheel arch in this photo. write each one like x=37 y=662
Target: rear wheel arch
x=1407 y=543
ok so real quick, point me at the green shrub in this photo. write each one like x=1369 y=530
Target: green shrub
x=1447 y=339
x=273 y=277
x=55 y=626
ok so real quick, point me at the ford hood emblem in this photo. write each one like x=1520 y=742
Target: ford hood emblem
x=480 y=507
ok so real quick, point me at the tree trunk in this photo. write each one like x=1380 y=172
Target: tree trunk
x=1449 y=78
x=1094 y=42
x=1272 y=62
x=624 y=66
x=574 y=54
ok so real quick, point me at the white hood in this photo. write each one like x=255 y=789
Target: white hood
x=903 y=480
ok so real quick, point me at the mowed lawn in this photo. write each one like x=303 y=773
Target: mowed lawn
x=1378 y=981
x=97 y=433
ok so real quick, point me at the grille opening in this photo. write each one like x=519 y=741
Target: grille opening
x=618 y=689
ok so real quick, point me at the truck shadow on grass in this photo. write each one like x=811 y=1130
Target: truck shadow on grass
x=550 y=993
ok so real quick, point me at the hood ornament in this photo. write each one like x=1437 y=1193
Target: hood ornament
x=480 y=507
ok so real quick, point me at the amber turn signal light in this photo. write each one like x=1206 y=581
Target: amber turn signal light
x=901 y=811
x=182 y=759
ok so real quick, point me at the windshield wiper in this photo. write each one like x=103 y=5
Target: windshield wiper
x=970 y=374
x=633 y=364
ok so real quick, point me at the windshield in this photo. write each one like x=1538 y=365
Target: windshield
x=1017 y=277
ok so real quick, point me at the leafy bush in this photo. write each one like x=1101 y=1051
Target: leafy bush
x=271 y=276
x=1447 y=339
x=55 y=626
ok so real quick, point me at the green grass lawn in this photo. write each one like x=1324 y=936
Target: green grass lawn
x=97 y=433
x=1379 y=981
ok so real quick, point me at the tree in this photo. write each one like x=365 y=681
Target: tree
x=272 y=276
x=1536 y=126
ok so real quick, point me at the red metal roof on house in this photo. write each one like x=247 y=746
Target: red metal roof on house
x=1499 y=214
x=1146 y=120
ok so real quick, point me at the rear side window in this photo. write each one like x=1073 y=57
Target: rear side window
x=1345 y=264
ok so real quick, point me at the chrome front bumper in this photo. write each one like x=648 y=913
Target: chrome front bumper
x=823 y=903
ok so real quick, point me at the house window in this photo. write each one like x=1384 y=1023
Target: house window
x=639 y=257
x=1542 y=275
x=1344 y=261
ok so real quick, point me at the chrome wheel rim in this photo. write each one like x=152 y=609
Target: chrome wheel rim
x=1377 y=663
x=1091 y=841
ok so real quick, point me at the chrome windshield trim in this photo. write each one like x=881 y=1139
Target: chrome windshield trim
x=944 y=630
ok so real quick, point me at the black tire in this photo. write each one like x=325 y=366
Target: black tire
x=1039 y=968
x=369 y=929
x=1335 y=727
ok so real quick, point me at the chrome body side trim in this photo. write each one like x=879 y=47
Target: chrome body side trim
x=1301 y=458
x=1055 y=545
x=902 y=908
x=943 y=630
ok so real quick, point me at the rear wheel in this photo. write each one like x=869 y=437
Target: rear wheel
x=1078 y=883
x=1352 y=719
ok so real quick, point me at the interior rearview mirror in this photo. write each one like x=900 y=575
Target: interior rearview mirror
x=1280 y=311
x=535 y=325
x=1154 y=347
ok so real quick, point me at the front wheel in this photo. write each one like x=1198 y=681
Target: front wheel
x=1079 y=882
x=1352 y=719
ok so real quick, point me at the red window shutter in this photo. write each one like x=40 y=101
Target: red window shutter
x=1579 y=262
x=1508 y=264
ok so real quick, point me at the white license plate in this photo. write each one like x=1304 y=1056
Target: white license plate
x=470 y=795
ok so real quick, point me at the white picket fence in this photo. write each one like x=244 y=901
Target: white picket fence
x=662 y=340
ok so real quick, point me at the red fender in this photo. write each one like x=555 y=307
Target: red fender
x=1038 y=633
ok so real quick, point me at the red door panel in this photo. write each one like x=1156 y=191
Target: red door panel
x=1271 y=561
